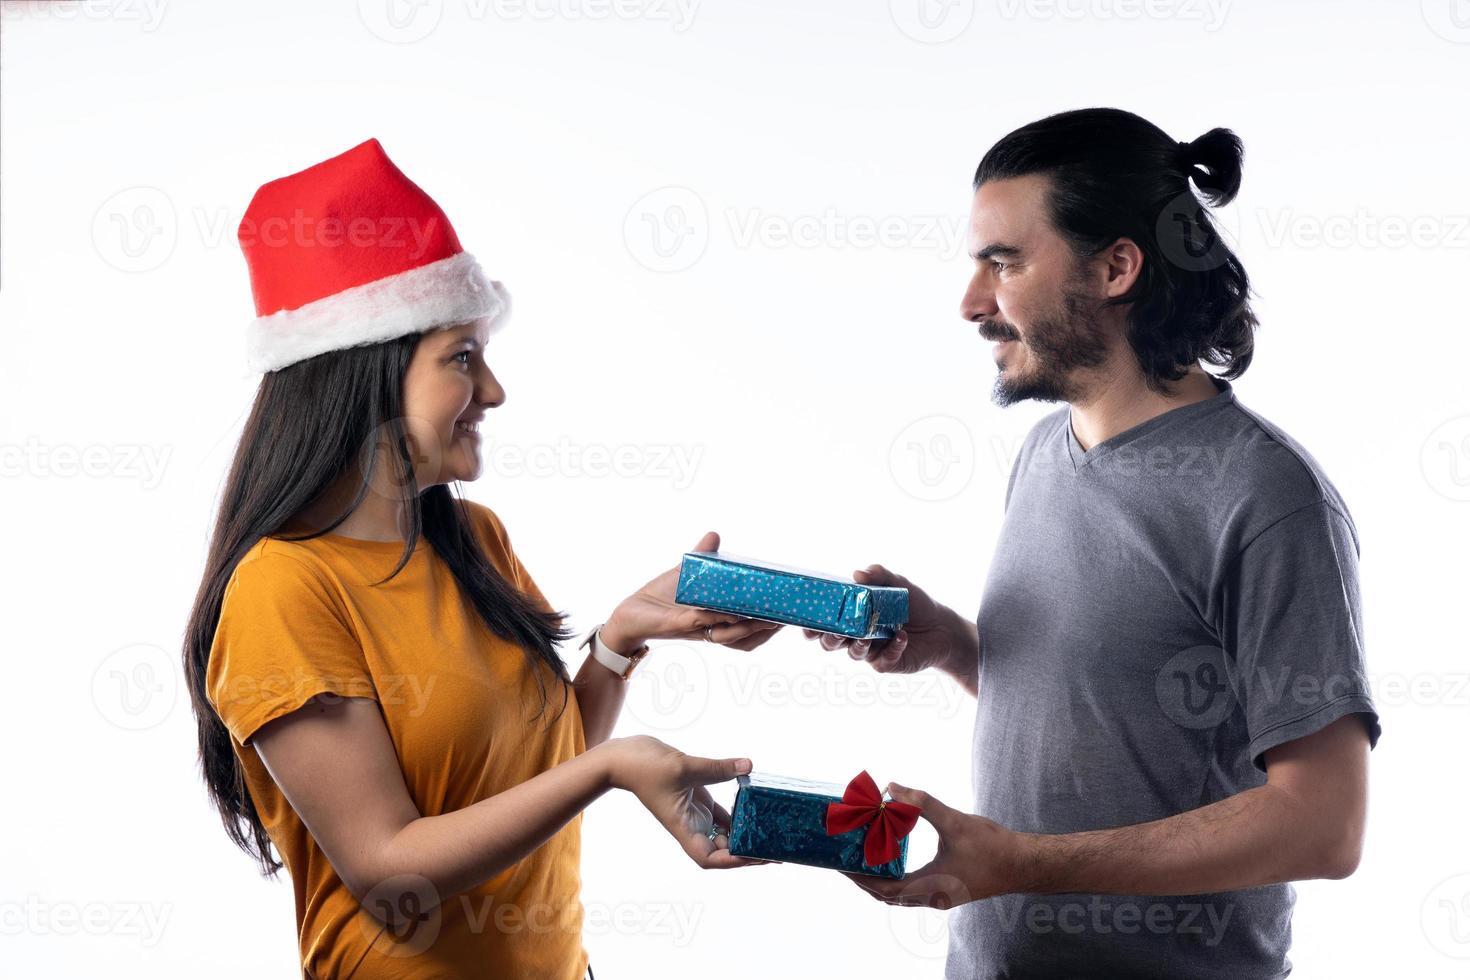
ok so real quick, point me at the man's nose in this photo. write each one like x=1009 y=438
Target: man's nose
x=979 y=299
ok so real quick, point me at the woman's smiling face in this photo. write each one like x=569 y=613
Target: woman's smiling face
x=447 y=390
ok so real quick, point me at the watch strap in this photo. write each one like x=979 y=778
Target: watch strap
x=617 y=663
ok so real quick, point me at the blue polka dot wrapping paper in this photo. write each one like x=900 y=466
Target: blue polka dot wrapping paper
x=782 y=818
x=792 y=596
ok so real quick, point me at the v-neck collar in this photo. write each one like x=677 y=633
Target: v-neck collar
x=1081 y=457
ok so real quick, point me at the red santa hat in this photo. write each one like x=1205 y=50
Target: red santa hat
x=351 y=252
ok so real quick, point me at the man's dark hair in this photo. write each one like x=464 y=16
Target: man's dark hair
x=1116 y=175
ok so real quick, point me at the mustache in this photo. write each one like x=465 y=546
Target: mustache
x=992 y=331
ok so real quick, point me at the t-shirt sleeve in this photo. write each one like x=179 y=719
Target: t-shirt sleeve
x=283 y=637
x=1292 y=629
x=504 y=557
x=527 y=584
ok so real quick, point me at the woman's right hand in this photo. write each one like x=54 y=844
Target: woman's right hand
x=653 y=613
x=672 y=786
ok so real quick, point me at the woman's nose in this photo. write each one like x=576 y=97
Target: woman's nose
x=490 y=392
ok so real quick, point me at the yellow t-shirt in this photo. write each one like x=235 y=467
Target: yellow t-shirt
x=302 y=618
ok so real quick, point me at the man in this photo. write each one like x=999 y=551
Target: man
x=1173 y=718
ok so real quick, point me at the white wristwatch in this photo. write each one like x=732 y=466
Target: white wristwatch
x=615 y=662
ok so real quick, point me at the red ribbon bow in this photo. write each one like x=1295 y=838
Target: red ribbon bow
x=888 y=821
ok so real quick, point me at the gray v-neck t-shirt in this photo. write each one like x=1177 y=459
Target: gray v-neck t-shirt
x=1161 y=609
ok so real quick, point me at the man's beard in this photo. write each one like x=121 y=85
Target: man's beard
x=1059 y=345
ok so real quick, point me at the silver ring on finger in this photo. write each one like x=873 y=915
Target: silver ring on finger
x=708 y=638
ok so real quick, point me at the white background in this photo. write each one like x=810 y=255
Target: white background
x=834 y=405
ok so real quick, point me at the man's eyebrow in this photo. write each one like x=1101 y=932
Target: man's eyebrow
x=994 y=249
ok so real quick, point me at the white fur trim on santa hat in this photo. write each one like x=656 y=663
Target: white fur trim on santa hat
x=448 y=291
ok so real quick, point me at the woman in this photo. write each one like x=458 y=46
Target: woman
x=374 y=673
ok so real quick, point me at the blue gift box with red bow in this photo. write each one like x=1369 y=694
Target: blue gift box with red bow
x=854 y=829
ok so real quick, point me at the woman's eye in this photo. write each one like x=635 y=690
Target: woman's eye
x=465 y=354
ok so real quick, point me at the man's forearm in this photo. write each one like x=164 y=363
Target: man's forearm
x=963 y=663
x=1258 y=837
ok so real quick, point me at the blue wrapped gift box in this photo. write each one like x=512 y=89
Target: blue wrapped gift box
x=778 y=594
x=780 y=818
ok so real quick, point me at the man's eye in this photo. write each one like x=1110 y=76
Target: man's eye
x=999 y=266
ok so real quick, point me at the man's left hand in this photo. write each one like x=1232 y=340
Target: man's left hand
x=977 y=858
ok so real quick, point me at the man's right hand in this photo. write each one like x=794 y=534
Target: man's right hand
x=935 y=636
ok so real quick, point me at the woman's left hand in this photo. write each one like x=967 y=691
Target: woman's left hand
x=672 y=786
x=652 y=614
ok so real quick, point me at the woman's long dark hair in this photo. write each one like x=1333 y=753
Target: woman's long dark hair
x=311 y=422
x=1116 y=175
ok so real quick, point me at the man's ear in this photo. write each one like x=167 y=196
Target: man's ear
x=1123 y=264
